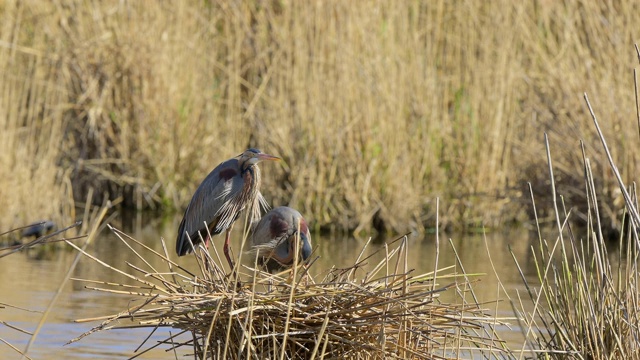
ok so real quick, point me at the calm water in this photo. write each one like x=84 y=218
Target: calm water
x=30 y=280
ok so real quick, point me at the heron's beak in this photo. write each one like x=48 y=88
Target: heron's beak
x=267 y=157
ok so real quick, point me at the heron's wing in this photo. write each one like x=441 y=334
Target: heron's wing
x=261 y=233
x=272 y=230
x=212 y=203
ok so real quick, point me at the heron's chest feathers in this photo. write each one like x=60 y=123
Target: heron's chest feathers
x=251 y=184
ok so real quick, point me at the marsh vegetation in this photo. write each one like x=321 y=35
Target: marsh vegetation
x=401 y=117
x=378 y=108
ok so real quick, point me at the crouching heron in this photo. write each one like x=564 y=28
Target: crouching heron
x=279 y=236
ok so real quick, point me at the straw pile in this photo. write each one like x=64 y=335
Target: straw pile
x=387 y=314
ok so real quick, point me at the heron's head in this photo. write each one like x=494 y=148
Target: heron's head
x=285 y=252
x=253 y=156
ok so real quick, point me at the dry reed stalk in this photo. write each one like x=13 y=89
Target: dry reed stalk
x=389 y=313
x=46 y=239
x=42 y=240
x=96 y=219
x=587 y=303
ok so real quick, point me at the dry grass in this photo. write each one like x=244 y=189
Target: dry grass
x=378 y=108
x=387 y=313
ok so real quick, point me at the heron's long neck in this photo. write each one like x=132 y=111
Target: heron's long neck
x=251 y=177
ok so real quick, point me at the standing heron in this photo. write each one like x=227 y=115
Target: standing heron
x=225 y=192
x=276 y=236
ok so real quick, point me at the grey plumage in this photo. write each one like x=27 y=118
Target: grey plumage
x=229 y=189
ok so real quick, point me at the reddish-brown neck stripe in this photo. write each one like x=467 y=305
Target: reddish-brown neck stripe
x=251 y=184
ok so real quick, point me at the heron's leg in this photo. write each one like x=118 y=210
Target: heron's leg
x=225 y=249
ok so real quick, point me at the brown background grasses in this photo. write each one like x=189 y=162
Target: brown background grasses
x=377 y=107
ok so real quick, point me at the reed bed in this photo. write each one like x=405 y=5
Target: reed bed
x=388 y=312
x=377 y=108
x=586 y=301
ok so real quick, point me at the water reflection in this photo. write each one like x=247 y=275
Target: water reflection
x=30 y=283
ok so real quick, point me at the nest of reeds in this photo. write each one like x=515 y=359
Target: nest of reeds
x=388 y=313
